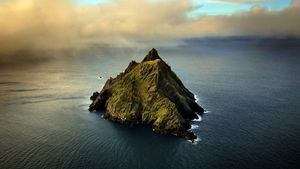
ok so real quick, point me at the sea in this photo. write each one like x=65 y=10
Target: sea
x=250 y=89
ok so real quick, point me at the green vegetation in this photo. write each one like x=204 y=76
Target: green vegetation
x=148 y=93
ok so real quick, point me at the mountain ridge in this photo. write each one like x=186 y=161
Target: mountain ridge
x=149 y=93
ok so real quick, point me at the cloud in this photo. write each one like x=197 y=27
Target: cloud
x=296 y=3
x=240 y=1
x=258 y=21
x=57 y=24
x=28 y=25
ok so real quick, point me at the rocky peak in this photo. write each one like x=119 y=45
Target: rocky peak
x=152 y=55
x=149 y=93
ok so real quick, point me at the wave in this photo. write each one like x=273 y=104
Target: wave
x=51 y=99
x=194 y=126
x=9 y=83
x=195 y=142
x=26 y=90
x=196 y=98
x=199 y=118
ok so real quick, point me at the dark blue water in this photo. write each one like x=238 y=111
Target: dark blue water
x=251 y=92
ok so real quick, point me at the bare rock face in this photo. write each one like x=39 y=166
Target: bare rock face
x=149 y=93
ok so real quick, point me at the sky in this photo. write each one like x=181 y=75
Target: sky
x=221 y=7
x=58 y=24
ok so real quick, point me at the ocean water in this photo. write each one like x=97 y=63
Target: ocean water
x=250 y=90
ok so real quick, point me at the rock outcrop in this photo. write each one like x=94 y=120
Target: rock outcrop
x=149 y=93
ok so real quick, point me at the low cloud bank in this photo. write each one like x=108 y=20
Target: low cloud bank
x=58 y=24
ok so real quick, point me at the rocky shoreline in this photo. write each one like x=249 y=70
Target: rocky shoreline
x=149 y=93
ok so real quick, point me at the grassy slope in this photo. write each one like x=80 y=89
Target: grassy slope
x=135 y=97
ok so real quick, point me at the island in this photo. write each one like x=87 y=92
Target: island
x=149 y=93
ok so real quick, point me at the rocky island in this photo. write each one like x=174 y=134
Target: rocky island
x=149 y=93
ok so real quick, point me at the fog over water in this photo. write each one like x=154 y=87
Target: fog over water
x=250 y=89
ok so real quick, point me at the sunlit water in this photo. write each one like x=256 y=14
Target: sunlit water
x=251 y=94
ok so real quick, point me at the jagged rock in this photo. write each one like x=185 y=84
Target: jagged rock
x=149 y=93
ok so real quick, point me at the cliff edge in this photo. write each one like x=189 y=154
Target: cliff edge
x=149 y=93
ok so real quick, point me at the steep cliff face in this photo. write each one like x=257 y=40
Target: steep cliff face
x=149 y=93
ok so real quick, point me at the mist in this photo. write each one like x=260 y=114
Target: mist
x=31 y=27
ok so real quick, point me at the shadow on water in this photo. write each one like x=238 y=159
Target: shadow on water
x=138 y=132
x=141 y=144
